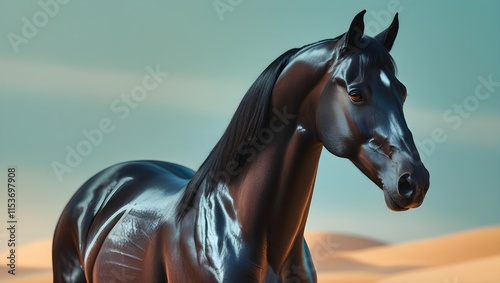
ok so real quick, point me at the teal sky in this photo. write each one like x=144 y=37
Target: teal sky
x=68 y=72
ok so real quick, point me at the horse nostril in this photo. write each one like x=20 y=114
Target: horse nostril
x=404 y=186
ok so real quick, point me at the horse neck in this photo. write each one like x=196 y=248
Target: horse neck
x=272 y=197
x=273 y=194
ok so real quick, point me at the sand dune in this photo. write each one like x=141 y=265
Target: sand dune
x=485 y=270
x=339 y=242
x=471 y=256
x=438 y=251
x=348 y=277
x=324 y=248
x=467 y=257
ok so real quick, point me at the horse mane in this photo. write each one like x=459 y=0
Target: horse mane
x=250 y=117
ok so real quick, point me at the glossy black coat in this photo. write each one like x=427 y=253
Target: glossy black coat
x=145 y=221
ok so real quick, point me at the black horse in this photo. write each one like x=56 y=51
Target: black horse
x=241 y=216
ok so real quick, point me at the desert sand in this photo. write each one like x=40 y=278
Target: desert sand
x=469 y=256
x=466 y=257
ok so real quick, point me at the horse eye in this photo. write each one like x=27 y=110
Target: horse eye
x=356 y=96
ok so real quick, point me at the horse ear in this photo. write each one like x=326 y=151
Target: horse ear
x=355 y=32
x=388 y=36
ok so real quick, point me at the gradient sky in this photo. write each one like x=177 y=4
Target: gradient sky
x=79 y=60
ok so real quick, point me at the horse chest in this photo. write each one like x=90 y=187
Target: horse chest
x=211 y=243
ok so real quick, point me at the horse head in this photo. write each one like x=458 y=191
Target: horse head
x=360 y=116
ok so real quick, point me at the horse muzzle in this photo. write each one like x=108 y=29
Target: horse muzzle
x=408 y=191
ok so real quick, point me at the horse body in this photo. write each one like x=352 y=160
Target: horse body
x=122 y=206
x=241 y=216
x=121 y=226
